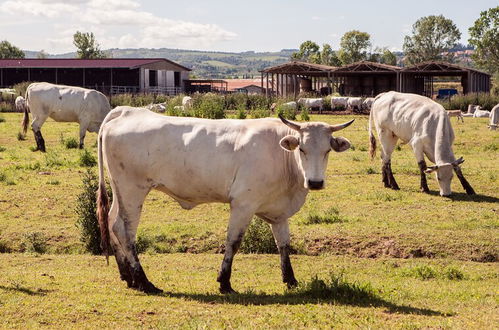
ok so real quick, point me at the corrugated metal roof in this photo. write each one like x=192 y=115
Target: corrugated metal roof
x=84 y=63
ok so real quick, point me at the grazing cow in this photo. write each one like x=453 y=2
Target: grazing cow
x=494 y=118
x=367 y=103
x=425 y=125
x=456 y=113
x=354 y=103
x=187 y=102
x=199 y=161
x=472 y=108
x=290 y=105
x=481 y=113
x=310 y=103
x=337 y=101
x=64 y=104
x=20 y=104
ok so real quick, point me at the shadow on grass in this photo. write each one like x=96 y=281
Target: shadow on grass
x=336 y=290
x=22 y=289
x=473 y=198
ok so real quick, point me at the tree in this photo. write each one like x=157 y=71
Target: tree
x=308 y=52
x=7 y=50
x=42 y=54
x=383 y=55
x=353 y=46
x=431 y=37
x=86 y=45
x=484 y=35
x=328 y=56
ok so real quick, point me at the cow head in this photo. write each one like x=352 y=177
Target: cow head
x=312 y=148
x=444 y=173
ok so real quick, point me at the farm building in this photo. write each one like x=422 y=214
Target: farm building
x=110 y=75
x=368 y=78
x=248 y=86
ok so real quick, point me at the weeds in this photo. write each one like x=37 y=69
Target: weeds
x=2 y=149
x=2 y=119
x=87 y=159
x=69 y=143
x=331 y=215
x=34 y=242
x=258 y=238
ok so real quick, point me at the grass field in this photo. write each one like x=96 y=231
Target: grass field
x=369 y=234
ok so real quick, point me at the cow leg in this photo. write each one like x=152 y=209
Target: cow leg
x=83 y=130
x=240 y=218
x=123 y=264
x=469 y=189
x=388 y=142
x=281 y=236
x=36 y=125
x=424 y=183
x=124 y=229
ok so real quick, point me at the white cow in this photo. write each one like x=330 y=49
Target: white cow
x=425 y=125
x=187 y=102
x=354 y=103
x=290 y=105
x=337 y=101
x=367 y=103
x=481 y=113
x=20 y=104
x=64 y=104
x=456 y=113
x=494 y=118
x=199 y=161
x=310 y=103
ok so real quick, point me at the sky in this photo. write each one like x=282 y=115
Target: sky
x=230 y=26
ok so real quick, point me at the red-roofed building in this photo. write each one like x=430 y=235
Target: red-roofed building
x=110 y=75
x=248 y=86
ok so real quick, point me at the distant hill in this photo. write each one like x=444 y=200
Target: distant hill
x=205 y=64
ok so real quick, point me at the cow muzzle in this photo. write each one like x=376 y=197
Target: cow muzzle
x=315 y=185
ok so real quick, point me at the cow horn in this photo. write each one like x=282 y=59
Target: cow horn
x=458 y=161
x=290 y=124
x=335 y=128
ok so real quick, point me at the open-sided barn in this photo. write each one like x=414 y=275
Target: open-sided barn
x=110 y=75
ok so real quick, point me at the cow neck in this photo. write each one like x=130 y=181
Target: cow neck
x=444 y=137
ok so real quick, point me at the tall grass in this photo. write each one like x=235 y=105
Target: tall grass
x=460 y=102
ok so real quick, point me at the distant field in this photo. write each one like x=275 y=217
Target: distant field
x=371 y=233
x=219 y=64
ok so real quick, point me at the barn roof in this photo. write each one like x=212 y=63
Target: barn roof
x=440 y=68
x=130 y=63
x=367 y=67
x=301 y=68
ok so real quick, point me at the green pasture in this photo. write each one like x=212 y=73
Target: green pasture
x=402 y=244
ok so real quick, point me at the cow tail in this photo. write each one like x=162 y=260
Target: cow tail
x=372 y=139
x=103 y=204
x=26 y=115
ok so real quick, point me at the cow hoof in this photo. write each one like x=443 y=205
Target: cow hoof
x=395 y=187
x=292 y=284
x=149 y=288
x=425 y=190
x=227 y=290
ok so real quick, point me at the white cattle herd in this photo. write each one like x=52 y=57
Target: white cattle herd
x=198 y=161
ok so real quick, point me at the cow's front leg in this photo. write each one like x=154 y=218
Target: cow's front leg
x=240 y=218
x=83 y=131
x=40 y=142
x=424 y=183
x=469 y=189
x=281 y=236
x=388 y=178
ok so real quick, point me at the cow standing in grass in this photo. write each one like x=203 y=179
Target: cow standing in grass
x=87 y=107
x=258 y=166
x=425 y=125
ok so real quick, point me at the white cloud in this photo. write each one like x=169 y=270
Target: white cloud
x=316 y=18
x=115 y=23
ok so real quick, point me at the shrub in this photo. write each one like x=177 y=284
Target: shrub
x=241 y=114
x=304 y=115
x=86 y=209
x=331 y=215
x=4 y=247
x=258 y=238
x=2 y=149
x=7 y=107
x=208 y=106
x=70 y=143
x=2 y=119
x=3 y=177
x=21 y=88
x=34 y=242
x=452 y=273
x=259 y=101
x=52 y=159
x=87 y=159
x=423 y=272
x=286 y=111
x=236 y=101
x=261 y=113
x=143 y=242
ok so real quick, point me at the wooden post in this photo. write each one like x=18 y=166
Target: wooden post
x=1 y=77
x=267 y=89
x=83 y=77
x=295 y=81
x=261 y=82
x=277 y=85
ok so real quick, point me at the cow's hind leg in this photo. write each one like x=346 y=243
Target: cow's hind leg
x=281 y=236
x=123 y=264
x=83 y=131
x=36 y=125
x=240 y=217
x=388 y=143
x=466 y=185
x=124 y=229
x=417 y=148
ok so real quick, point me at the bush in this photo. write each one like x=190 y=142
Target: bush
x=87 y=159
x=2 y=149
x=52 y=159
x=241 y=114
x=258 y=238
x=304 y=115
x=2 y=119
x=259 y=101
x=143 y=242
x=34 y=242
x=7 y=107
x=86 y=209
x=286 y=111
x=21 y=88
x=236 y=101
x=208 y=106
x=452 y=273
x=261 y=113
x=70 y=143
x=423 y=272
x=460 y=102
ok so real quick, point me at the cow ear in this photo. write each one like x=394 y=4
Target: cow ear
x=339 y=144
x=431 y=169
x=289 y=143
